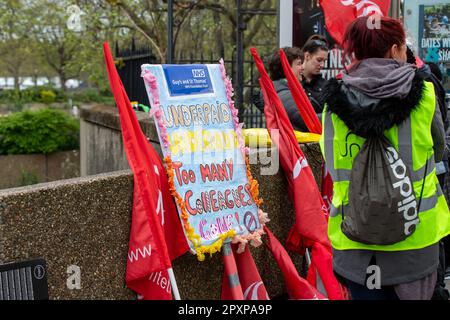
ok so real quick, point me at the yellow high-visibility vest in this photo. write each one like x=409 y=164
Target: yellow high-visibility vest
x=413 y=140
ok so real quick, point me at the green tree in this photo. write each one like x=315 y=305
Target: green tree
x=101 y=22
x=199 y=25
x=14 y=51
x=56 y=44
x=72 y=52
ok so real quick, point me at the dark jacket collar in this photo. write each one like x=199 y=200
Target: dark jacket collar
x=316 y=80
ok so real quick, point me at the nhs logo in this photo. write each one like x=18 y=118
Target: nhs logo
x=198 y=73
x=186 y=79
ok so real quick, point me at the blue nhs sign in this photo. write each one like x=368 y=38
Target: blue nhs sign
x=187 y=79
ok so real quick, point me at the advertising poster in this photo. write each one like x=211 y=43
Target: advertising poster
x=205 y=155
x=434 y=38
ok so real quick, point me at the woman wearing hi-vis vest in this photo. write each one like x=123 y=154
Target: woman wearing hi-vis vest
x=383 y=97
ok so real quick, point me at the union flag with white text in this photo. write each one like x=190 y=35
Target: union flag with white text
x=156 y=235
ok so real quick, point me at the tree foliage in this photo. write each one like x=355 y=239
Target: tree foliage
x=207 y=26
x=35 y=39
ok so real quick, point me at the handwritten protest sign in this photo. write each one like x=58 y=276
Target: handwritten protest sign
x=205 y=154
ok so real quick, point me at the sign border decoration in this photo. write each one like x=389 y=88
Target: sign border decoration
x=254 y=238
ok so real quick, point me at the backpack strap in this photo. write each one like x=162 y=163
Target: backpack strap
x=423 y=184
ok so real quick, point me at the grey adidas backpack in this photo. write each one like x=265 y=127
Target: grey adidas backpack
x=383 y=208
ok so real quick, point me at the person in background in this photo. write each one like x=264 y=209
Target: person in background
x=295 y=59
x=443 y=173
x=430 y=72
x=384 y=95
x=315 y=53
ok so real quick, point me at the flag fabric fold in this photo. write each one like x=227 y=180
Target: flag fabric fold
x=327 y=188
x=304 y=106
x=252 y=285
x=339 y=14
x=231 y=285
x=297 y=287
x=309 y=115
x=320 y=273
x=156 y=235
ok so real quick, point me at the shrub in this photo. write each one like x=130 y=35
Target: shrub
x=42 y=131
x=33 y=94
x=12 y=95
x=15 y=100
x=48 y=96
x=91 y=95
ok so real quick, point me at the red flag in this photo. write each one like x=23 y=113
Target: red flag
x=419 y=62
x=312 y=122
x=327 y=188
x=304 y=106
x=297 y=287
x=311 y=223
x=320 y=273
x=149 y=256
x=340 y=13
x=311 y=213
x=251 y=283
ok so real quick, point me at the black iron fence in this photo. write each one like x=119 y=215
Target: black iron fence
x=129 y=61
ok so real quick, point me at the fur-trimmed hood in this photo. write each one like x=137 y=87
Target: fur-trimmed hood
x=367 y=116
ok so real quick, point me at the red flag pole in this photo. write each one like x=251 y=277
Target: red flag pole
x=232 y=273
x=308 y=258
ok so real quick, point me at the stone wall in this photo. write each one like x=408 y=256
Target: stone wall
x=18 y=170
x=101 y=145
x=86 y=222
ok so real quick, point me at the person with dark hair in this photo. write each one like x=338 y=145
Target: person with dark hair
x=295 y=59
x=315 y=53
x=384 y=99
